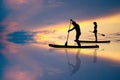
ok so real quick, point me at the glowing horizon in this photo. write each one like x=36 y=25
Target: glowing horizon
x=57 y=29
x=56 y=37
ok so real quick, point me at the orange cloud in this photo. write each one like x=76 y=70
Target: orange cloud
x=16 y=4
x=21 y=4
x=26 y=68
x=23 y=9
x=16 y=73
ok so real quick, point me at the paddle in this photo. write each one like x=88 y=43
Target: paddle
x=67 y=35
x=98 y=33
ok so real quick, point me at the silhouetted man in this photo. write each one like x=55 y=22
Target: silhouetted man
x=95 y=30
x=77 y=29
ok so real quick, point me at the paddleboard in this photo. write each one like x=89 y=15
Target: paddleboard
x=82 y=41
x=72 y=46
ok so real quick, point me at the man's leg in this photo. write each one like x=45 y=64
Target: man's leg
x=77 y=40
x=78 y=43
x=77 y=37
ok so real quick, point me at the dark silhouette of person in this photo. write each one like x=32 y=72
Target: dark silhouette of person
x=76 y=66
x=95 y=30
x=78 y=31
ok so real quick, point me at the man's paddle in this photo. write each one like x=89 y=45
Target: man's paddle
x=98 y=33
x=67 y=35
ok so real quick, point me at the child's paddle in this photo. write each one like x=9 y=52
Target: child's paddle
x=98 y=33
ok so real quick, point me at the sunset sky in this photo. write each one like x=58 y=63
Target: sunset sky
x=42 y=13
x=54 y=15
x=41 y=22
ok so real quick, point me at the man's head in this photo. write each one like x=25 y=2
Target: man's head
x=73 y=22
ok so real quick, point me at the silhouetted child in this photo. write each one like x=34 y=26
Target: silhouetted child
x=95 y=30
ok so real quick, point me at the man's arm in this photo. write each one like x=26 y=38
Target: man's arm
x=71 y=29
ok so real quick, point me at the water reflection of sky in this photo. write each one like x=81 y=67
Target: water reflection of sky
x=20 y=37
x=22 y=58
x=28 y=26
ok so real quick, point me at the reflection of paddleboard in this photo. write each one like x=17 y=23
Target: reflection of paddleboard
x=70 y=46
x=108 y=41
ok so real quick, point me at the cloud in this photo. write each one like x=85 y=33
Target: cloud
x=2 y=11
x=19 y=72
x=22 y=10
x=20 y=37
x=16 y=4
x=55 y=3
x=80 y=10
x=31 y=13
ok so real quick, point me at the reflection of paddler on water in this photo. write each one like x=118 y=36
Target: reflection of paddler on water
x=78 y=31
x=95 y=56
x=74 y=67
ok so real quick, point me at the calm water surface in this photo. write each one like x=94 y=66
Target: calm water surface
x=23 y=59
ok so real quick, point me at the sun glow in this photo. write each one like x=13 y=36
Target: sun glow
x=108 y=24
x=57 y=34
